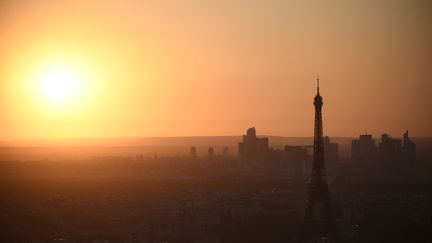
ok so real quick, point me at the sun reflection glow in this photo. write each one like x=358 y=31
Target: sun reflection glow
x=60 y=85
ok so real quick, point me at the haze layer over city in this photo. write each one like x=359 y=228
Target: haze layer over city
x=215 y=121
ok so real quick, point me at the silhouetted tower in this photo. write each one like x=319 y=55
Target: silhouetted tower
x=408 y=149
x=210 y=153
x=193 y=152
x=253 y=148
x=319 y=220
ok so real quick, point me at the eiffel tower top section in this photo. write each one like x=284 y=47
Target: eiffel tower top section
x=318 y=99
x=318 y=165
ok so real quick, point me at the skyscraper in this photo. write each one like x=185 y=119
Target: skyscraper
x=210 y=153
x=296 y=157
x=319 y=220
x=408 y=149
x=193 y=152
x=331 y=150
x=390 y=150
x=252 y=147
x=363 y=149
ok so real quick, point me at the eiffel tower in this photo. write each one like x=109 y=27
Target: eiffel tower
x=319 y=222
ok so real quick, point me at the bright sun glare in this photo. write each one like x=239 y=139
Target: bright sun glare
x=59 y=85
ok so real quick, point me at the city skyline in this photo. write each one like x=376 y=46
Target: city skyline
x=255 y=194
x=210 y=69
x=216 y=121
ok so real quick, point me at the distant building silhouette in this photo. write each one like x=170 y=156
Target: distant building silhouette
x=408 y=149
x=252 y=147
x=319 y=220
x=296 y=156
x=390 y=150
x=331 y=150
x=363 y=149
x=210 y=153
x=193 y=152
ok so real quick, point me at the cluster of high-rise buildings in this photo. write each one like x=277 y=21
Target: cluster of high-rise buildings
x=210 y=152
x=253 y=148
x=389 y=150
x=364 y=150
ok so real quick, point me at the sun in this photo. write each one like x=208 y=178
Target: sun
x=60 y=85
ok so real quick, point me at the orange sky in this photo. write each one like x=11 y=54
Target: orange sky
x=175 y=68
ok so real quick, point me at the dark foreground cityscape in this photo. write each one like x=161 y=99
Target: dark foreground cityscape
x=358 y=190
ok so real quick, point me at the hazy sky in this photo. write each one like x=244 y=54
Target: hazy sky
x=174 y=68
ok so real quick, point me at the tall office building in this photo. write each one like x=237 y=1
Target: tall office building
x=331 y=150
x=363 y=149
x=296 y=157
x=390 y=150
x=193 y=152
x=210 y=153
x=408 y=149
x=252 y=147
